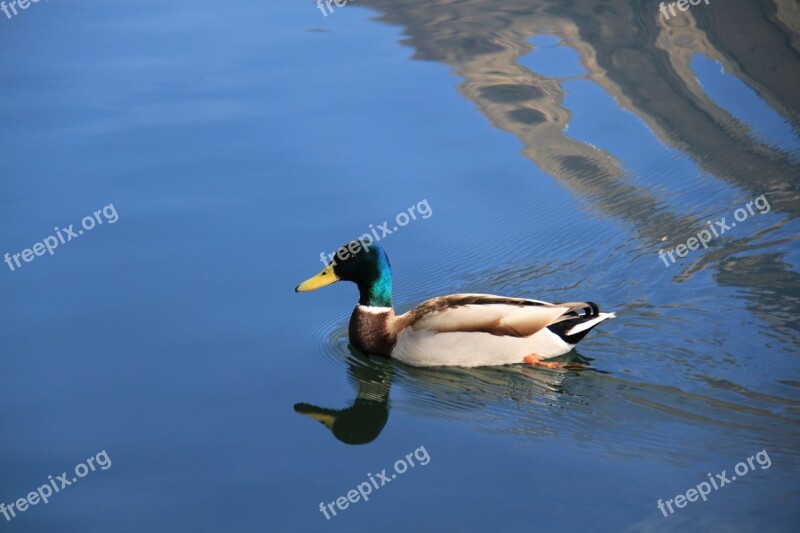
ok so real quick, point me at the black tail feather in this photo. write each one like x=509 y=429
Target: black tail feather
x=590 y=311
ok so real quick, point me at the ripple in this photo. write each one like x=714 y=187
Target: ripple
x=587 y=412
x=324 y=338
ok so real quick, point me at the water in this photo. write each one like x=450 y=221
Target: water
x=559 y=147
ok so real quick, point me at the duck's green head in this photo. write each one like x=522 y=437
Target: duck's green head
x=366 y=265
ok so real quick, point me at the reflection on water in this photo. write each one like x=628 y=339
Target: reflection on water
x=526 y=403
x=442 y=389
x=363 y=421
x=645 y=64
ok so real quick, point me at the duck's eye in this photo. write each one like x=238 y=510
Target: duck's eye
x=325 y=273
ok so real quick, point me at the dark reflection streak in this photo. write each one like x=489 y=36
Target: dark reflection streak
x=766 y=60
x=774 y=288
x=618 y=44
x=661 y=96
x=776 y=299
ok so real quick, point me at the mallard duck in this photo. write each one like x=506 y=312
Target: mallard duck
x=467 y=330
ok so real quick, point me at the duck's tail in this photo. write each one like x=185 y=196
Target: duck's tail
x=578 y=321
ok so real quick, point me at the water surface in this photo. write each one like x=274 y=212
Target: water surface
x=559 y=146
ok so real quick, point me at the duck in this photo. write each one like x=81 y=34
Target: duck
x=459 y=330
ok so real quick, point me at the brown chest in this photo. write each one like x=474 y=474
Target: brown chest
x=369 y=331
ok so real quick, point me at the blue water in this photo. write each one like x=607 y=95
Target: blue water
x=238 y=142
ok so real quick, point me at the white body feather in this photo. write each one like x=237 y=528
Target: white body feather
x=424 y=347
x=449 y=337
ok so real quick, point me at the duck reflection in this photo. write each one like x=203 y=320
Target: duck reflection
x=448 y=389
x=539 y=408
x=362 y=422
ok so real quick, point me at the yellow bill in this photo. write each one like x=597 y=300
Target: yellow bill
x=326 y=277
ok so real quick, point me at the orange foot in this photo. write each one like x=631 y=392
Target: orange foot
x=535 y=361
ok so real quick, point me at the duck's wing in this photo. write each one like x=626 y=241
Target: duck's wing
x=497 y=315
